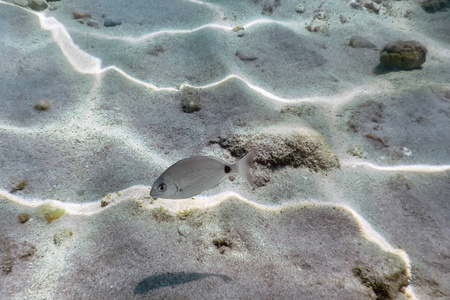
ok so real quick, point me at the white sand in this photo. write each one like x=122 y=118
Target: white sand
x=116 y=123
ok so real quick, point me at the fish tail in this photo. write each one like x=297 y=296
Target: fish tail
x=243 y=167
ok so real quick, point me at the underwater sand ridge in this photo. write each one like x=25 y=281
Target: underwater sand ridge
x=165 y=208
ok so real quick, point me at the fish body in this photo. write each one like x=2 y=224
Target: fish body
x=191 y=176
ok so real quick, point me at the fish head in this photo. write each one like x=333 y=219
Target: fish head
x=164 y=187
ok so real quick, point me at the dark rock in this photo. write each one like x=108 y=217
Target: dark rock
x=372 y=7
x=190 y=100
x=38 y=5
x=110 y=22
x=432 y=6
x=403 y=55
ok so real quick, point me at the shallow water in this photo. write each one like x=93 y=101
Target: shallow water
x=254 y=75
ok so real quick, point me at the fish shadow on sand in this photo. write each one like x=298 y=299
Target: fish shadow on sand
x=171 y=279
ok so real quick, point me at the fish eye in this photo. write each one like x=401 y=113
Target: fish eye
x=162 y=187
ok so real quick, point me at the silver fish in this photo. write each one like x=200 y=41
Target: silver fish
x=191 y=176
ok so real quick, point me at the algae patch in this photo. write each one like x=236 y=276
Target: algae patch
x=61 y=236
x=186 y=213
x=386 y=283
x=277 y=149
x=19 y=186
x=222 y=244
x=162 y=215
x=50 y=212
x=23 y=217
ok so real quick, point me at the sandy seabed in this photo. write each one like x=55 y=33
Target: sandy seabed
x=80 y=171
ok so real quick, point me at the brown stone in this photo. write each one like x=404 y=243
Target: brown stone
x=403 y=55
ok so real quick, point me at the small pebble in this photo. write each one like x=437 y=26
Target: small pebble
x=372 y=7
x=80 y=14
x=23 y=217
x=190 y=105
x=92 y=23
x=42 y=105
x=300 y=9
x=191 y=100
x=38 y=5
x=110 y=22
x=357 y=41
x=184 y=230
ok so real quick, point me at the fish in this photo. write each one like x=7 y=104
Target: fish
x=194 y=175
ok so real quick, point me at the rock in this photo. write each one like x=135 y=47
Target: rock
x=42 y=105
x=403 y=55
x=190 y=100
x=276 y=148
x=92 y=23
x=184 y=230
x=432 y=6
x=23 y=217
x=81 y=14
x=371 y=7
x=110 y=22
x=357 y=41
x=300 y=9
x=38 y=5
